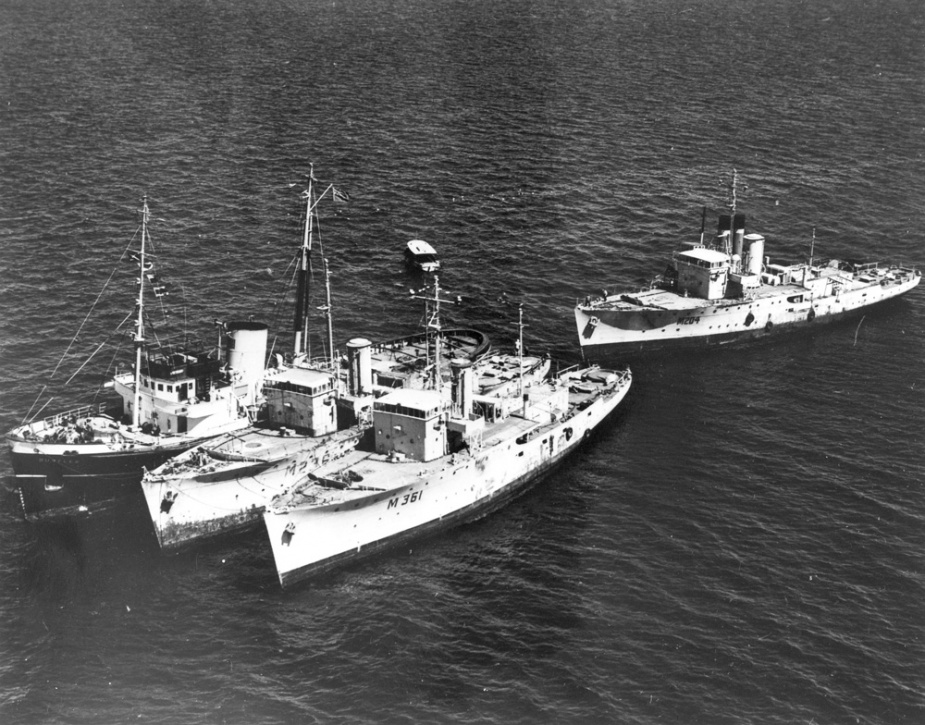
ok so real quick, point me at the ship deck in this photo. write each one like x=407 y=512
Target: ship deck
x=399 y=361
x=361 y=474
x=813 y=282
x=262 y=443
x=659 y=299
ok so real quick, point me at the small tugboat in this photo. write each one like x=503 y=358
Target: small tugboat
x=441 y=456
x=728 y=291
x=176 y=396
x=421 y=256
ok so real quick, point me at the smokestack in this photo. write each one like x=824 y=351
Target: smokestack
x=738 y=233
x=462 y=387
x=359 y=357
x=755 y=245
x=246 y=348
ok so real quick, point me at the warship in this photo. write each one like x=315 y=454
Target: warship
x=315 y=412
x=725 y=290
x=441 y=456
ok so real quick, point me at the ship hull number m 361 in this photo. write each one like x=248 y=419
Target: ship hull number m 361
x=406 y=499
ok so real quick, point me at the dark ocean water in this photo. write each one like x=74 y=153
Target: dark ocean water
x=743 y=543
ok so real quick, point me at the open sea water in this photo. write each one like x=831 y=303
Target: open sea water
x=742 y=543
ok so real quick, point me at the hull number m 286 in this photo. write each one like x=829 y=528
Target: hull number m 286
x=405 y=500
x=688 y=320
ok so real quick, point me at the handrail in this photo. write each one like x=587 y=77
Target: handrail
x=569 y=369
x=84 y=411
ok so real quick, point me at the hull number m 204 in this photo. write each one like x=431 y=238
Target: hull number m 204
x=405 y=500
x=688 y=320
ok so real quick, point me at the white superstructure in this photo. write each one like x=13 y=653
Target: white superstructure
x=730 y=291
x=441 y=457
x=177 y=395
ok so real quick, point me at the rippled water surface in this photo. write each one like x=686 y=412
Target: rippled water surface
x=742 y=543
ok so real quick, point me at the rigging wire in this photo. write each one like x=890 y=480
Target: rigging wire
x=112 y=360
x=278 y=306
x=26 y=417
x=43 y=407
x=93 y=306
x=92 y=355
x=100 y=347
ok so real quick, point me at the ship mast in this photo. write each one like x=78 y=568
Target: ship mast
x=732 y=215
x=520 y=353
x=435 y=324
x=432 y=322
x=327 y=312
x=140 y=324
x=703 y=225
x=812 y=248
x=808 y=268
x=300 y=323
x=304 y=272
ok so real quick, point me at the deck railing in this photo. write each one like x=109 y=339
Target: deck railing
x=84 y=411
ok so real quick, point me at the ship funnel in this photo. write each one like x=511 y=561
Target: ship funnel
x=727 y=222
x=754 y=244
x=462 y=387
x=359 y=357
x=738 y=233
x=734 y=227
x=246 y=348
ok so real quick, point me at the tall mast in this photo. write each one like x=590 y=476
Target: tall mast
x=520 y=352
x=438 y=381
x=140 y=324
x=303 y=301
x=300 y=323
x=732 y=215
x=432 y=322
x=812 y=248
x=327 y=312
x=808 y=268
x=703 y=224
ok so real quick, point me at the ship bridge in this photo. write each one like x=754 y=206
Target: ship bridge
x=702 y=273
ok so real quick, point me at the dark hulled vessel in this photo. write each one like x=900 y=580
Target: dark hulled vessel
x=174 y=397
